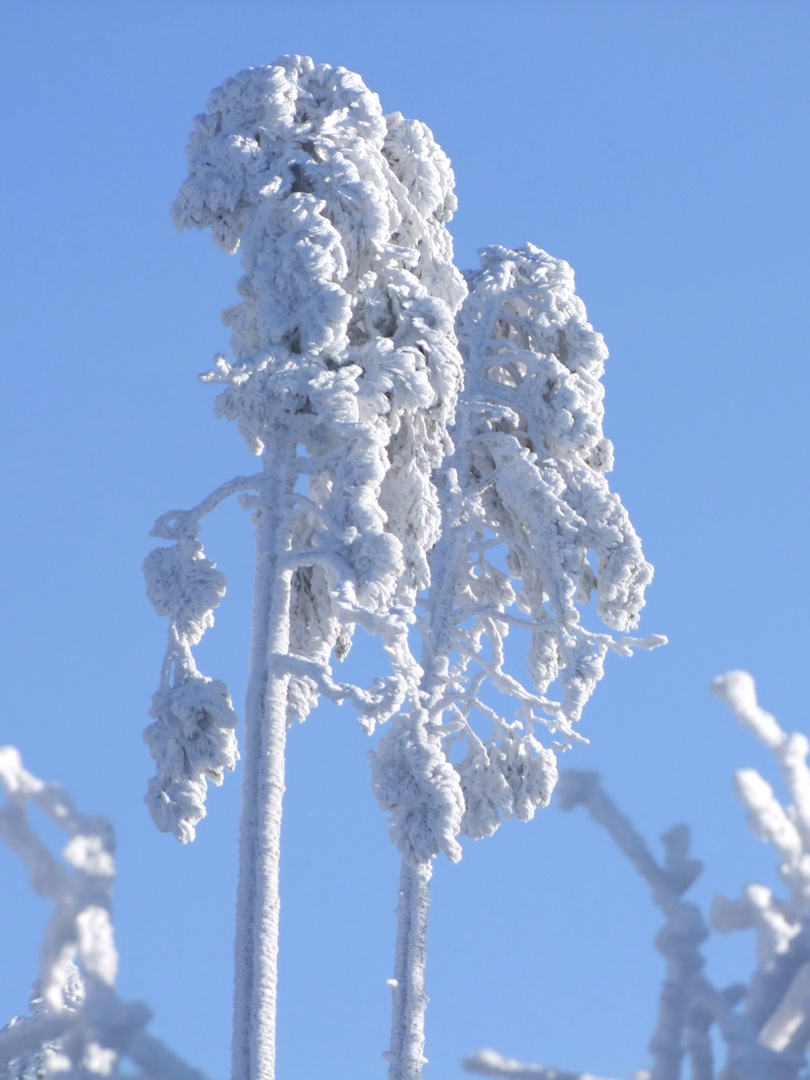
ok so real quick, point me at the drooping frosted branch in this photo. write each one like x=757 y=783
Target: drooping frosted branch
x=80 y=1027
x=531 y=472
x=524 y=504
x=533 y=465
x=525 y=507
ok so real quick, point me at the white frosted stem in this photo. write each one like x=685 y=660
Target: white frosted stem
x=258 y=902
x=410 y=1002
x=408 y=1021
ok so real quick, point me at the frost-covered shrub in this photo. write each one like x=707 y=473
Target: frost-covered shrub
x=385 y=501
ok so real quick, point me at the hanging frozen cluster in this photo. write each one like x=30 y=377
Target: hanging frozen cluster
x=192 y=738
x=526 y=508
x=80 y=1028
x=765 y=1025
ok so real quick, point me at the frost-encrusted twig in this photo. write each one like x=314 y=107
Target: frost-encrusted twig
x=344 y=377
x=765 y=1026
x=80 y=1027
x=525 y=508
x=491 y=1063
x=777 y=1002
x=685 y=994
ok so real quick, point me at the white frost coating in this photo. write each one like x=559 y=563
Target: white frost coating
x=79 y=1027
x=344 y=378
x=533 y=465
x=764 y=1026
x=525 y=486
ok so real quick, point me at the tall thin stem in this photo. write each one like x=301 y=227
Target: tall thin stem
x=406 y=1054
x=258 y=902
x=408 y=1021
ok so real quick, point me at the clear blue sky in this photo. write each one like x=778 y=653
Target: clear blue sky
x=662 y=149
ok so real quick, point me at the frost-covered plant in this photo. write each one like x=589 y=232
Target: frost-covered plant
x=379 y=505
x=343 y=381
x=530 y=529
x=764 y=1025
x=80 y=1027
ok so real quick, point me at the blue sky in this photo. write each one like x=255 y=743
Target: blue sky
x=662 y=149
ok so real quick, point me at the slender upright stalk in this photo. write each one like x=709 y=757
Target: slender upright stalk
x=408 y=1022
x=258 y=902
x=406 y=1055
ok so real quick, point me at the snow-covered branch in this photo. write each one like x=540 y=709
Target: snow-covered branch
x=80 y=1028
x=764 y=1025
x=777 y=1002
x=491 y=1063
x=680 y=1028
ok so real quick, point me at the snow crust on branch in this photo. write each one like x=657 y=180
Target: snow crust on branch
x=764 y=1025
x=491 y=1063
x=345 y=366
x=80 y=1027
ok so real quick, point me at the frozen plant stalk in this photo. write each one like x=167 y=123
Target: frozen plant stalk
x=524 y=488
x=343 y=381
